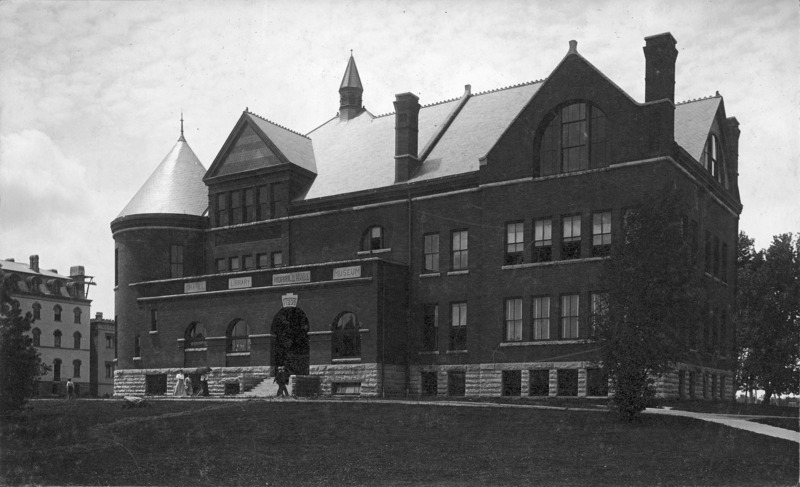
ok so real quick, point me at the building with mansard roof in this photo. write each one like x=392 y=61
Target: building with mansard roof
x=444 y=249
x=60 y=310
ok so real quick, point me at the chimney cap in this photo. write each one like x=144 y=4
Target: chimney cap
x=664 y=37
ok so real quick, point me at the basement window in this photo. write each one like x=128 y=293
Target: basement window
x=346 y=388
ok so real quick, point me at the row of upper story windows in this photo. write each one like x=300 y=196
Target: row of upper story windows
x=263 y=202
x=37 y=285
x=265 y=260
x=76 y=368
x=36 y=312
x=36 y=333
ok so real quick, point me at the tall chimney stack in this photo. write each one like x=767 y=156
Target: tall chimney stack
x=78 y=274
x=660 y=55
x=406 y=136
x=34 y=263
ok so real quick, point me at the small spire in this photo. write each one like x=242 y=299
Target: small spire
x=181 y=137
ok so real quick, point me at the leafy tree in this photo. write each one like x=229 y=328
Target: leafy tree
x=768 y=316
x=654 y=302
x=20 y=362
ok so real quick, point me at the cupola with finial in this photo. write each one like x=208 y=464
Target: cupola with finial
x=350 y=92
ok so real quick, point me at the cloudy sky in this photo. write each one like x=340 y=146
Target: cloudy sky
x=91 y=93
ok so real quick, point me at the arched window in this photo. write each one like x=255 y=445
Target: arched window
x=37 y=311
x=37 y=337
x=195 y=335
x=373 y=238
x=57 y=369
x=573 y=139
x=238 y=336
x=77 y=312
x=77 y=340
x=57 y=338
x=56 y=313
x=76 y=368
x=345 y=341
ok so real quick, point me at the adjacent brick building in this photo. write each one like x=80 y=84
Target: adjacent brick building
x=102 y=356
x=451 y=248
x=60 y=329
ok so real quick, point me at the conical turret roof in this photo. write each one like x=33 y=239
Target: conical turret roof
x=351 y=78
x=175 y=187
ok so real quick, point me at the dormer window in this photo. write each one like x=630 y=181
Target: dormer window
x=711 y=159
x=573 y=139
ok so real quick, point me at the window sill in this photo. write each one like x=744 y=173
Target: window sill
x=353 y=360
x=237 y=354
x=376 y=251
x=458 y=273
x=456 y=352
x=430 y=275
x=153 y=332
x=137 y=359
x=428 y=352
x=552 y=262
x=544 y=342
x=200 y=349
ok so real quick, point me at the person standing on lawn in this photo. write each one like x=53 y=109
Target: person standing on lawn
x=70 y=389
x=204 y=383
x=282 y=378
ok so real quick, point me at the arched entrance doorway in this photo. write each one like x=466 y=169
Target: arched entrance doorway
x=290 y=347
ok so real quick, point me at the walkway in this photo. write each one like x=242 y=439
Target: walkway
x=734 y=421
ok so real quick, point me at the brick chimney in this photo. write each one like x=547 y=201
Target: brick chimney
x=78 y=274
x=98 y=315
x=34 y=263
x=406 y=128
x=732 y=142
x=660 y=55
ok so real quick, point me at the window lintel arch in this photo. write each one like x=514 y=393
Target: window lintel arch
x=195 y=335
x=238 y=336
x=346 y=338
x=572 y=136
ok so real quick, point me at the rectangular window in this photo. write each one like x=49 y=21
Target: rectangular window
x=574 y=138
x=567 y=382
x=543 y=240
x=346 y=388
x=541 y=318
x=515 y=245
x=514 y=320
x=460 y=251
x=236 y=207
x=599 y=308
x=250 y=205
x=429 y=383
x=116 y=267
x=539 y=382
x=456 y=383
x=512 y=382
x=137 y=346
x=596 y=382
x=153 y=319
x=277 y=201
x=570 y=305
x=458 y=326
x=222 y=209
x=176 y=261
x=221 y=265
x=262 y=260
x=76 y=368
x=264 y=212
x=707 y=264
x=601 y=233
x=571 y=237
x=431 y=250
x=277 y=259
x=716 y=256
x=109 y=341
x=430 y=327
x=235 y=264
x=109 y=370
x=249 y=262
x=723 y=271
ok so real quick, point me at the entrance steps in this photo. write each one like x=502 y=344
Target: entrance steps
x=266 y=388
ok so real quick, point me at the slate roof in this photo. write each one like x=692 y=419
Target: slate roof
x=24 y=268
x=358 y=154
x=693 y=120
x=296 y=147
x=176 y=186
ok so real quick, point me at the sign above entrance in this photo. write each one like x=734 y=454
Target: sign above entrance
x=289 y=300
x=347 y=272
x=194 y=287
x=291 y=278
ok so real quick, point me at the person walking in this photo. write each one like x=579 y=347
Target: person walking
x=188 y=383
x=180 y=387
x=282 y=378
x=70 y=389
x=204 y=383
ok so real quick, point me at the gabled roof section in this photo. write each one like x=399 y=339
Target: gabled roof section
x=257 y=143
x=693 y=120
x=23 y=268
x=351 y=79
x=358 y=154
x=176 y=186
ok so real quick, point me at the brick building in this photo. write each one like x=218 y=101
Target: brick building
x=102 y=355
x=451 y=248
x=60 y=328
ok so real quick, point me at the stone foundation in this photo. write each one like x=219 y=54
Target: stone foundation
x=132 y=382
x=368 y=376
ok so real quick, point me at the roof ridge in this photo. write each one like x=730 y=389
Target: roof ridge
x=692 y=100
x=247 y=110
x=542 y=80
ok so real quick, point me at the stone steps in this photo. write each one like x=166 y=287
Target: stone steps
x=266 y=388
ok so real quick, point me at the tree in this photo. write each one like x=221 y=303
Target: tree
x=768 y=316
x=20 y=362
x=655 y=300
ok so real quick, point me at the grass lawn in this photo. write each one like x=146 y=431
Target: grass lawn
x=204 y=442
